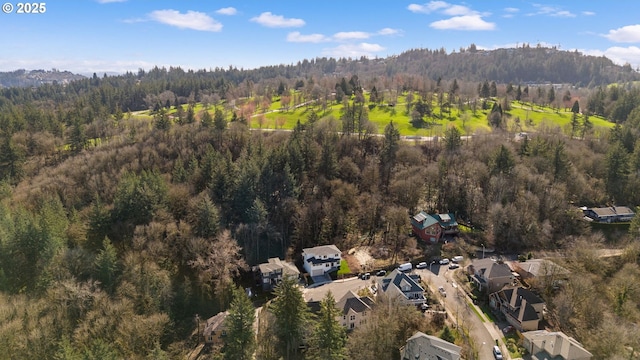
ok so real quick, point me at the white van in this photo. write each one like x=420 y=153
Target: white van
x=457 y=259
x=405 y=267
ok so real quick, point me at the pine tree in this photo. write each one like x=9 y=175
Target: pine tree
x=241 y=341
x=292 y=317
x=329 y=337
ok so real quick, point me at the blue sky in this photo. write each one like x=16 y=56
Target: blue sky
x=87 y=36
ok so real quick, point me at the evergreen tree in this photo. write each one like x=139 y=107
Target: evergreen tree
x=240 y=343
x=576 y=107
x=452 y=139
x=575 y=123
x=291 y=317
x=502 y=162
x=206 y=120
x=106 y=266
x=329 y=337
x=519 y=93
x=447 y=335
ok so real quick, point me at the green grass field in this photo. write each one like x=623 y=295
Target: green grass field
x=521 y=117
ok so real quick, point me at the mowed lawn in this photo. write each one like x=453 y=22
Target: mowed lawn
x=521 y=117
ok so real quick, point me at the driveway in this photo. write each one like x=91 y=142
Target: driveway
x=338 y=288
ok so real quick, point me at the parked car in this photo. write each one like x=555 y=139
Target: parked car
x=453 y=266
x=381 y=273
x=405 y=267
x=444 y=261
x=422 y=265
x=508 y=329
x=442 y=291
x=457 y=259
x=497 y=353
x=365 y=276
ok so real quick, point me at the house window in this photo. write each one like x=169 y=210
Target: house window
x=344 y=317
x=326 y=265
x=352 y=318
x=352 y=326
x=224 y=333
x=210 y=338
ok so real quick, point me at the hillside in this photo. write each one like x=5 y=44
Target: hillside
x=24 y=78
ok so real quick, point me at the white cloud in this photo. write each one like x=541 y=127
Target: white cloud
x=193 y=20
x=625 y=34
x=511 y=10
x=458 y=10
x=109 y=1
x=389 y=31
x=311 y=38
x=354 y=50
x=467 y=22
x=277 y=21
x=428 y=7
x=588 y=13
x=351 y=35
x=551 y=11
x=227 y=11
x=462 y=17
x=619 y=55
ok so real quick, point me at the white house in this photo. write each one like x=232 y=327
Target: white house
x=320 y=260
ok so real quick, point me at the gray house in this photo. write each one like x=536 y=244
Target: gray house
x=402 y=286
x=490 y=275
x=272 y=272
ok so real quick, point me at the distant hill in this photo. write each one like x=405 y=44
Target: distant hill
x=522 y=65
x=26 y=78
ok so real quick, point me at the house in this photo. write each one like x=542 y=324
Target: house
x=447 y=222
x=490 y=275
x=402 y=286
x=320 y=260
x=540 y=271
x=215 y=329
x=610 y=214
x=522 y=308
x=426 y=227
x=542 y=345
x=354 y=310
x=422 y=347
x=272 y=272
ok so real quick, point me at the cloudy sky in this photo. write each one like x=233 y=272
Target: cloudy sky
x=87 y=36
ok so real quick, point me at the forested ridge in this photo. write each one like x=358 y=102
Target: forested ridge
x=116 y=230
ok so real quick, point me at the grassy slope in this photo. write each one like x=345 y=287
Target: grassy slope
x=530 y=118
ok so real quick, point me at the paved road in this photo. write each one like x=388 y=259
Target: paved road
x=338 y=288
x=457 y=303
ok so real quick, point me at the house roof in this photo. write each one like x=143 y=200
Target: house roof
x=491 y=269
x=520 y=303
x=275 y=264
x=214 y=322
x=351 y=301
x=556 y=345
x=613 y=211
x=421 y=345
x=405 y=283
x=422 y=220
x=541 y=267
x=328 y=250
x=446 y=220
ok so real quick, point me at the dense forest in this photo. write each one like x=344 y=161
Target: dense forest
x=116 y=230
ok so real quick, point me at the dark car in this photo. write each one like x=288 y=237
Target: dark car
x=381 y=273
x=453 y=266
x=365 y=276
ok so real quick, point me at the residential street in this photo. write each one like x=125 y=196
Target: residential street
x=458 y=304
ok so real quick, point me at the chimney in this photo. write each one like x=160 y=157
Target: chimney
x=523 y=305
